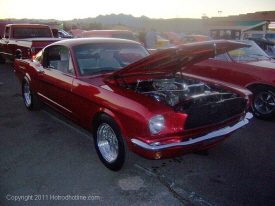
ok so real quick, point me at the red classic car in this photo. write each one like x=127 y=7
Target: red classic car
x=129 y=99
x=249 y=67
x=194 y=38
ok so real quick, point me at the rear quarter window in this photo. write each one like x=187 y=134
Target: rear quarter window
x=31 y=32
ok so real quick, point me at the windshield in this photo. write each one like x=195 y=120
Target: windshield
x=101 y=58
x=248 y=53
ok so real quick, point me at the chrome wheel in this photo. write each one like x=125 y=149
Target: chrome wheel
x=27 y=94
x=107 y=143
x=264 y=102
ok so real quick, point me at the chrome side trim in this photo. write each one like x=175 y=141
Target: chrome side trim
x=218 y=133
x=53 y=102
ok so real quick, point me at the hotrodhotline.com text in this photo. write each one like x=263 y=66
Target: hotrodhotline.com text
x=26 y=198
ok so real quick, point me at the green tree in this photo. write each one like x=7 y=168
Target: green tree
x=95 y=25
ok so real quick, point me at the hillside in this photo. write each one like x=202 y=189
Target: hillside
x=127 y=20
x=122 y=19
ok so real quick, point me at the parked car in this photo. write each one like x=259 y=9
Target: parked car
x=131 y=100
x=194 y=38
x=76 y=33
x=122 y=34
x=247 y=67
x=63 y=34
x=161 y=43
x=174 y=36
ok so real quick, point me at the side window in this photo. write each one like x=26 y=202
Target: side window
x=59 y=58
x=222 y=57
x=189 y=38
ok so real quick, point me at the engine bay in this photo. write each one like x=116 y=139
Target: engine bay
x=204 y=104
x=182 y=93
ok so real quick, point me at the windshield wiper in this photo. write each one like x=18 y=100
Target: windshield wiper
x=105 y=70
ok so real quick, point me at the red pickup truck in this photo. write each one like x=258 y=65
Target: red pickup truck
x=24 y=40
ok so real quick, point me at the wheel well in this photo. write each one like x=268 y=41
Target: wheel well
x=25 y=79
x=97 y=117
x=99 y=114
x=18 y=54
x=254 y=87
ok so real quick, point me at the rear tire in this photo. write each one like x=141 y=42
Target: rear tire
x=263 y=104
x=29 y=96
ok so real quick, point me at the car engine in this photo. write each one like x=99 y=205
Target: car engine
x=204 y=103
x=175 y=91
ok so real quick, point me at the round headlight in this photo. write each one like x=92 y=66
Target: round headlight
x=156 y=124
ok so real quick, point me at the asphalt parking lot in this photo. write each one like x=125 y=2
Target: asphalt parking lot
x=48 y=160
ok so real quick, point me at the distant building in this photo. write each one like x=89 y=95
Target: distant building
x=205 y=25
x=241 y=22
x=178 y=25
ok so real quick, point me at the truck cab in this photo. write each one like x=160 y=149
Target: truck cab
x=24 y=40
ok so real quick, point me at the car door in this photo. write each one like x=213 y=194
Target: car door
x=55 y=79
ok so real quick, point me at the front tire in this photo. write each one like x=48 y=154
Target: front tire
x=29 y=96
x=263 y=104
x=109 y=143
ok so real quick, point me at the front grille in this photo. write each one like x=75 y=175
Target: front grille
x=213 y=112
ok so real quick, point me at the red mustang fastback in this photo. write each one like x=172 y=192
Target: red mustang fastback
x=131 y=100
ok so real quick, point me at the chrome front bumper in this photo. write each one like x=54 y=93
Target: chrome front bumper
x=212 y=135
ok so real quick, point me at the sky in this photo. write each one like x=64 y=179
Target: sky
x=79 y=9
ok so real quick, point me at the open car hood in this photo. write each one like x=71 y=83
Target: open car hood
x=172 y=60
